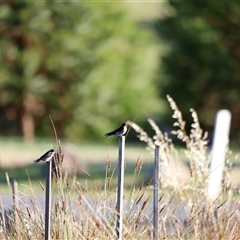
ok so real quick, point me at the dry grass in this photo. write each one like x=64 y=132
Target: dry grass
x=80 y=212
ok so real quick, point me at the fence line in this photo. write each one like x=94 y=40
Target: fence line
x=220 y=142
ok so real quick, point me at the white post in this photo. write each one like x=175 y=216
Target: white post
x=121 y=151
x=48 y=200
x=156 y=194
x=220 y=142
x=15 y=205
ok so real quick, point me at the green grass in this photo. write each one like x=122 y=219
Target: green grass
x=17 y=160
x=97 y=171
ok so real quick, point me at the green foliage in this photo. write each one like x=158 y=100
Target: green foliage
x=201 y=63
x=87 y=64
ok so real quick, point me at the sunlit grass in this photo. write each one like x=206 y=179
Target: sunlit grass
x=84 y=207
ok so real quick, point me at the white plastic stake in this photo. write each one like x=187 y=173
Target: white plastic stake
x=156 y=194
x=121 y=151
x=220 y=143
x=48 y=200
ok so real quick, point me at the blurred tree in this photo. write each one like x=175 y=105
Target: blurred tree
x=86 y=64
x=201 y=66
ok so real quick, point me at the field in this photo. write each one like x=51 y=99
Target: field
x=88 y=161
x=84 y=197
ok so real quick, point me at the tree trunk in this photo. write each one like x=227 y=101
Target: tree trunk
x=27 y=123
x=27 y=120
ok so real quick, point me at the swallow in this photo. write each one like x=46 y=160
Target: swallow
x=118 y=132
x=46 y=156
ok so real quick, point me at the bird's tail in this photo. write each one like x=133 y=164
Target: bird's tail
x=107 y=135
x=36 y=161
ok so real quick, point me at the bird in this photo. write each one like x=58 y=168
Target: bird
x=46 y=156
x=118 y=132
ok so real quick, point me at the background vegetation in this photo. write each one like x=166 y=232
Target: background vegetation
x=94 y=65
x=86 y=64
x=200 y=67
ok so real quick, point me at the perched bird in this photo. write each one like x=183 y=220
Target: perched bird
x=46 y=156
x=118 y=132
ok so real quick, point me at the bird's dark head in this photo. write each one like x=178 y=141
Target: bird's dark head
x=124 y=125
x=51 y=152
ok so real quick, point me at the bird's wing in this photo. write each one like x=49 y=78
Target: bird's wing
x=36 y=161
x=108 y=134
